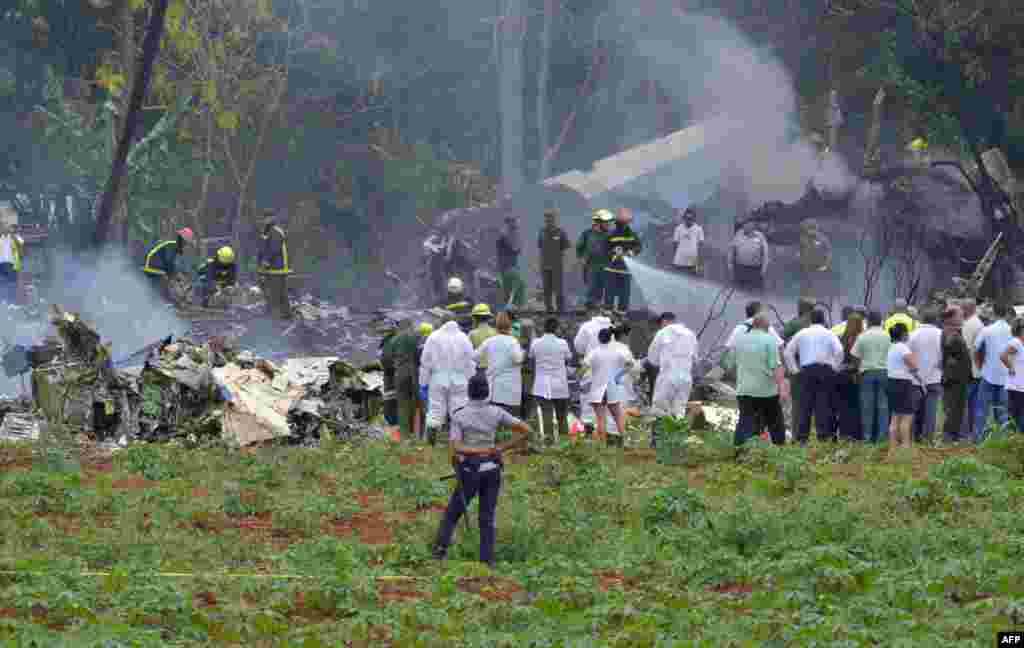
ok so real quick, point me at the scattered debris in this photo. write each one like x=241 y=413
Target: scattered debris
x=17 y=422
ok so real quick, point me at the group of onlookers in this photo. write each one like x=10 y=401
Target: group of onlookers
x=869 y=378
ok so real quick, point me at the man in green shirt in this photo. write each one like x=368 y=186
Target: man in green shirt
x=760 y=383
x=871 y=351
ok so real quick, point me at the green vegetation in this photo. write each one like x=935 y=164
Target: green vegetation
x=159 y=545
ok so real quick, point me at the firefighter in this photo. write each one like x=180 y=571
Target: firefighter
x=389 y=330
x=11 y=254
x=459 y=304
x=594 y=250
x=161 y=261
x=624 y=242
x=217 y=273
x=482 y=330
x=274 y=268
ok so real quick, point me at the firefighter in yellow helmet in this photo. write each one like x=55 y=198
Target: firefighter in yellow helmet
x=274 y=267
x=161 y=261
x=217 y=273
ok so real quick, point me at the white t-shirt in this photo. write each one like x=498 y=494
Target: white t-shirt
x=1015 y=382
x=894 y=363
x=688 y=241
x=993 y=339
x=926 y=343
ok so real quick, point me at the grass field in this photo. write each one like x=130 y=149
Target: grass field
x=824 y=546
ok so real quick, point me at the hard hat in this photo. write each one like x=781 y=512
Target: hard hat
x=425 y=329
x=186 y=233
x=455 y=285
x=918 y=144
x=482 y=310
x=226 y=255
x=604 y=216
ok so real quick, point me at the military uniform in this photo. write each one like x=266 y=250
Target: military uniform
x=553 y=243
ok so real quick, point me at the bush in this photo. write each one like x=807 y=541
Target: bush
x=967 y=476
x=676 y=505
x=673 y=434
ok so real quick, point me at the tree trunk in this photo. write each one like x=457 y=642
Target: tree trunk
x=150 y=47
x=511 y=97
x=126 y=53
x=543 y=74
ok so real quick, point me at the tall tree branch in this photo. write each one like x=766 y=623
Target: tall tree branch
x=150 y=47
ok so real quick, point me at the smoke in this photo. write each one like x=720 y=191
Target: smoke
x=110 y=293
x=708 y=64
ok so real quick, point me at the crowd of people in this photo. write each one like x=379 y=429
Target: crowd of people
x=876 y=379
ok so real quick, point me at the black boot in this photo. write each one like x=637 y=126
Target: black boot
x=432 y=436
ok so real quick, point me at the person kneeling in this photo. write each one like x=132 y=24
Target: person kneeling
x=477 y=460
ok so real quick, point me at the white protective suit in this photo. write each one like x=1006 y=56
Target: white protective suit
x=504 y=359
x=445 y=368
x=624 y=391
x=606 y=365
x=672 y=350
x=550 y=355
x=583 y=343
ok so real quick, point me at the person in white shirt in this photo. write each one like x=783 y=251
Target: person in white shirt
x=971 y=328
x=752 y=309
x=445 y=368
x=904 y=387
x=689 y=238
x=550 y=354
x=816 y=353
x=11 y=246
x=583 y=343
x=606 y=366
x=504 y=360
x=1013 y=360
x=672 y=351
x=926 y=343
x=988 y=347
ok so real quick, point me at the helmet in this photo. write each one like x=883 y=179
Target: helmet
x=918 y=144
x=425 y=329
x=603 y=216
x=455 y=285
x=186 y=233
x=482 y=310
x=226 y=255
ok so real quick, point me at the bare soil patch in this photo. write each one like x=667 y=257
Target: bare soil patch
x=609 y=578
x=372 y=528
x=730 y=587
x=135 y=482
x=414 y=459
x=398 y=589
x=490 y=588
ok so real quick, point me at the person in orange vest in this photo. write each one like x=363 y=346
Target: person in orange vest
x=274 y=268
x=162 y=258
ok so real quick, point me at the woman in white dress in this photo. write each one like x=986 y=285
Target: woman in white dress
x=608 y=367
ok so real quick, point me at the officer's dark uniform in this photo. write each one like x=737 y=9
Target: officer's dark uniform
x=553 y=243
x=617 y=274
x=462 y=308
x=475 y=425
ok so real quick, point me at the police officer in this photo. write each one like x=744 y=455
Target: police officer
x=477 y=460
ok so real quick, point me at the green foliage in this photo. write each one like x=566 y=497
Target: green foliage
x=673 y=436
x=160 y=166
x=1006 y=453
x=968 y=477
x=147 y=460
x=676 y=505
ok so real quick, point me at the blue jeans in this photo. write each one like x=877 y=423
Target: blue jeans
x=972 y=404
x=874 y=405
x=8 y=283
x=989 y=397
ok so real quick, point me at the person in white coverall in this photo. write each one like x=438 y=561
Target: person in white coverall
x=583 y=343
x=504 y=357
x=607 y=366
x=672 y=350
x=445 y=368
